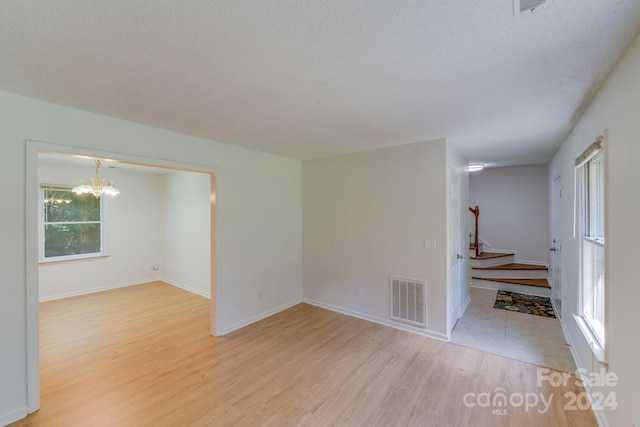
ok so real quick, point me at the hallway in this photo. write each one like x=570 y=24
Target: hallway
x=534 y=339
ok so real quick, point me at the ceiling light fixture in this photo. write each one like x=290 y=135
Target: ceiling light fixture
x=475 y=167
x=520 y=7
x=96 y=186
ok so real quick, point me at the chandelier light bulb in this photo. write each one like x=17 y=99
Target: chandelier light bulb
x=96 y=186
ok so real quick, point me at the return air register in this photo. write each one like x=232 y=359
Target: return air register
x=523 y=6
x=409 y=301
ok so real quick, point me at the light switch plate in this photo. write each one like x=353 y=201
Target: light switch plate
x=429 y=243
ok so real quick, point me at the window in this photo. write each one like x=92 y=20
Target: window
x=71 y=226
x=591 y=316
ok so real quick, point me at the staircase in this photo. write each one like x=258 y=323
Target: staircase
x=500 y=271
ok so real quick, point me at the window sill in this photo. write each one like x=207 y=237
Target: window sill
x=68 y=259
x=596 y=348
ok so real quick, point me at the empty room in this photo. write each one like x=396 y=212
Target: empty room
x=289 y=213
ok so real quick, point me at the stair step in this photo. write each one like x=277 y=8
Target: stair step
x=509 y=271
x=514 y=266
x=490 y=255
x=489 y=259
x=512 y=287
x=541 y=283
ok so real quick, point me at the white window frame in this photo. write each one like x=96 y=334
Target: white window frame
x=591 y=316
x=41 y=223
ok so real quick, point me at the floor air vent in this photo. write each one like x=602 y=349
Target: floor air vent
x=409 y=301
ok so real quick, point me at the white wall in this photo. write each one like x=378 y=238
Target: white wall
x=365 y=218
x=514 y=209
x=615 y=108
x=259 y=219
x=187 y=231
x=158 y=220
x=134 y=219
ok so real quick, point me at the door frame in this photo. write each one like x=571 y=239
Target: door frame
x=32 y=149
x=455 y=248
x=555 y=260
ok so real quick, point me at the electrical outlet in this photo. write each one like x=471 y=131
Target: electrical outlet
x=259 y=294
x=429 y=243
x=356 y=291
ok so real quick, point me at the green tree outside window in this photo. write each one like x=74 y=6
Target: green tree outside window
x=72 y=223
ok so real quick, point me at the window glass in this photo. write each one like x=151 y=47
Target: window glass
x=592 y=301
x=72 y=224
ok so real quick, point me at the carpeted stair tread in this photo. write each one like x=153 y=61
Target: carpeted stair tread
x=489 y=255
x=513 y=266
x=541 y=283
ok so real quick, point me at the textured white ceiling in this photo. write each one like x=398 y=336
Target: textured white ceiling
x=314 y=78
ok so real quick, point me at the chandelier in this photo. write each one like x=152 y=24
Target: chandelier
x=96 y=186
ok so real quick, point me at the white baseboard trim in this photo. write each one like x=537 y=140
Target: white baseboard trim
x=600 y=416
x=93 y=290
x=124 y=285
x=13 y=416
x=258 y=317
x=484 y=243
x=186 y=287
x=378 y=320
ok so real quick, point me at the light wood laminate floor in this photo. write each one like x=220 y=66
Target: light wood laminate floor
x=142 y=356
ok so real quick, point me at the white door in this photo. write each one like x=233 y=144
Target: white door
x=556 y=243
x=454 y=254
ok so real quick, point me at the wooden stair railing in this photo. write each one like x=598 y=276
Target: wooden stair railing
x=476 y=212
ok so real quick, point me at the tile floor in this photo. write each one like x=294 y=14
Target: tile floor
x=534 y=339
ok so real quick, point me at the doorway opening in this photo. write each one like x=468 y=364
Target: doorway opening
x=125 y=165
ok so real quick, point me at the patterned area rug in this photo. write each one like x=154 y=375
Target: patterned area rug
x=530 y=304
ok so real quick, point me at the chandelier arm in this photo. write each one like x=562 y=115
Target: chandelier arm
x=95 y=186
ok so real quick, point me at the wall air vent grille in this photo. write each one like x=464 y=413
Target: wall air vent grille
x=409 y=301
